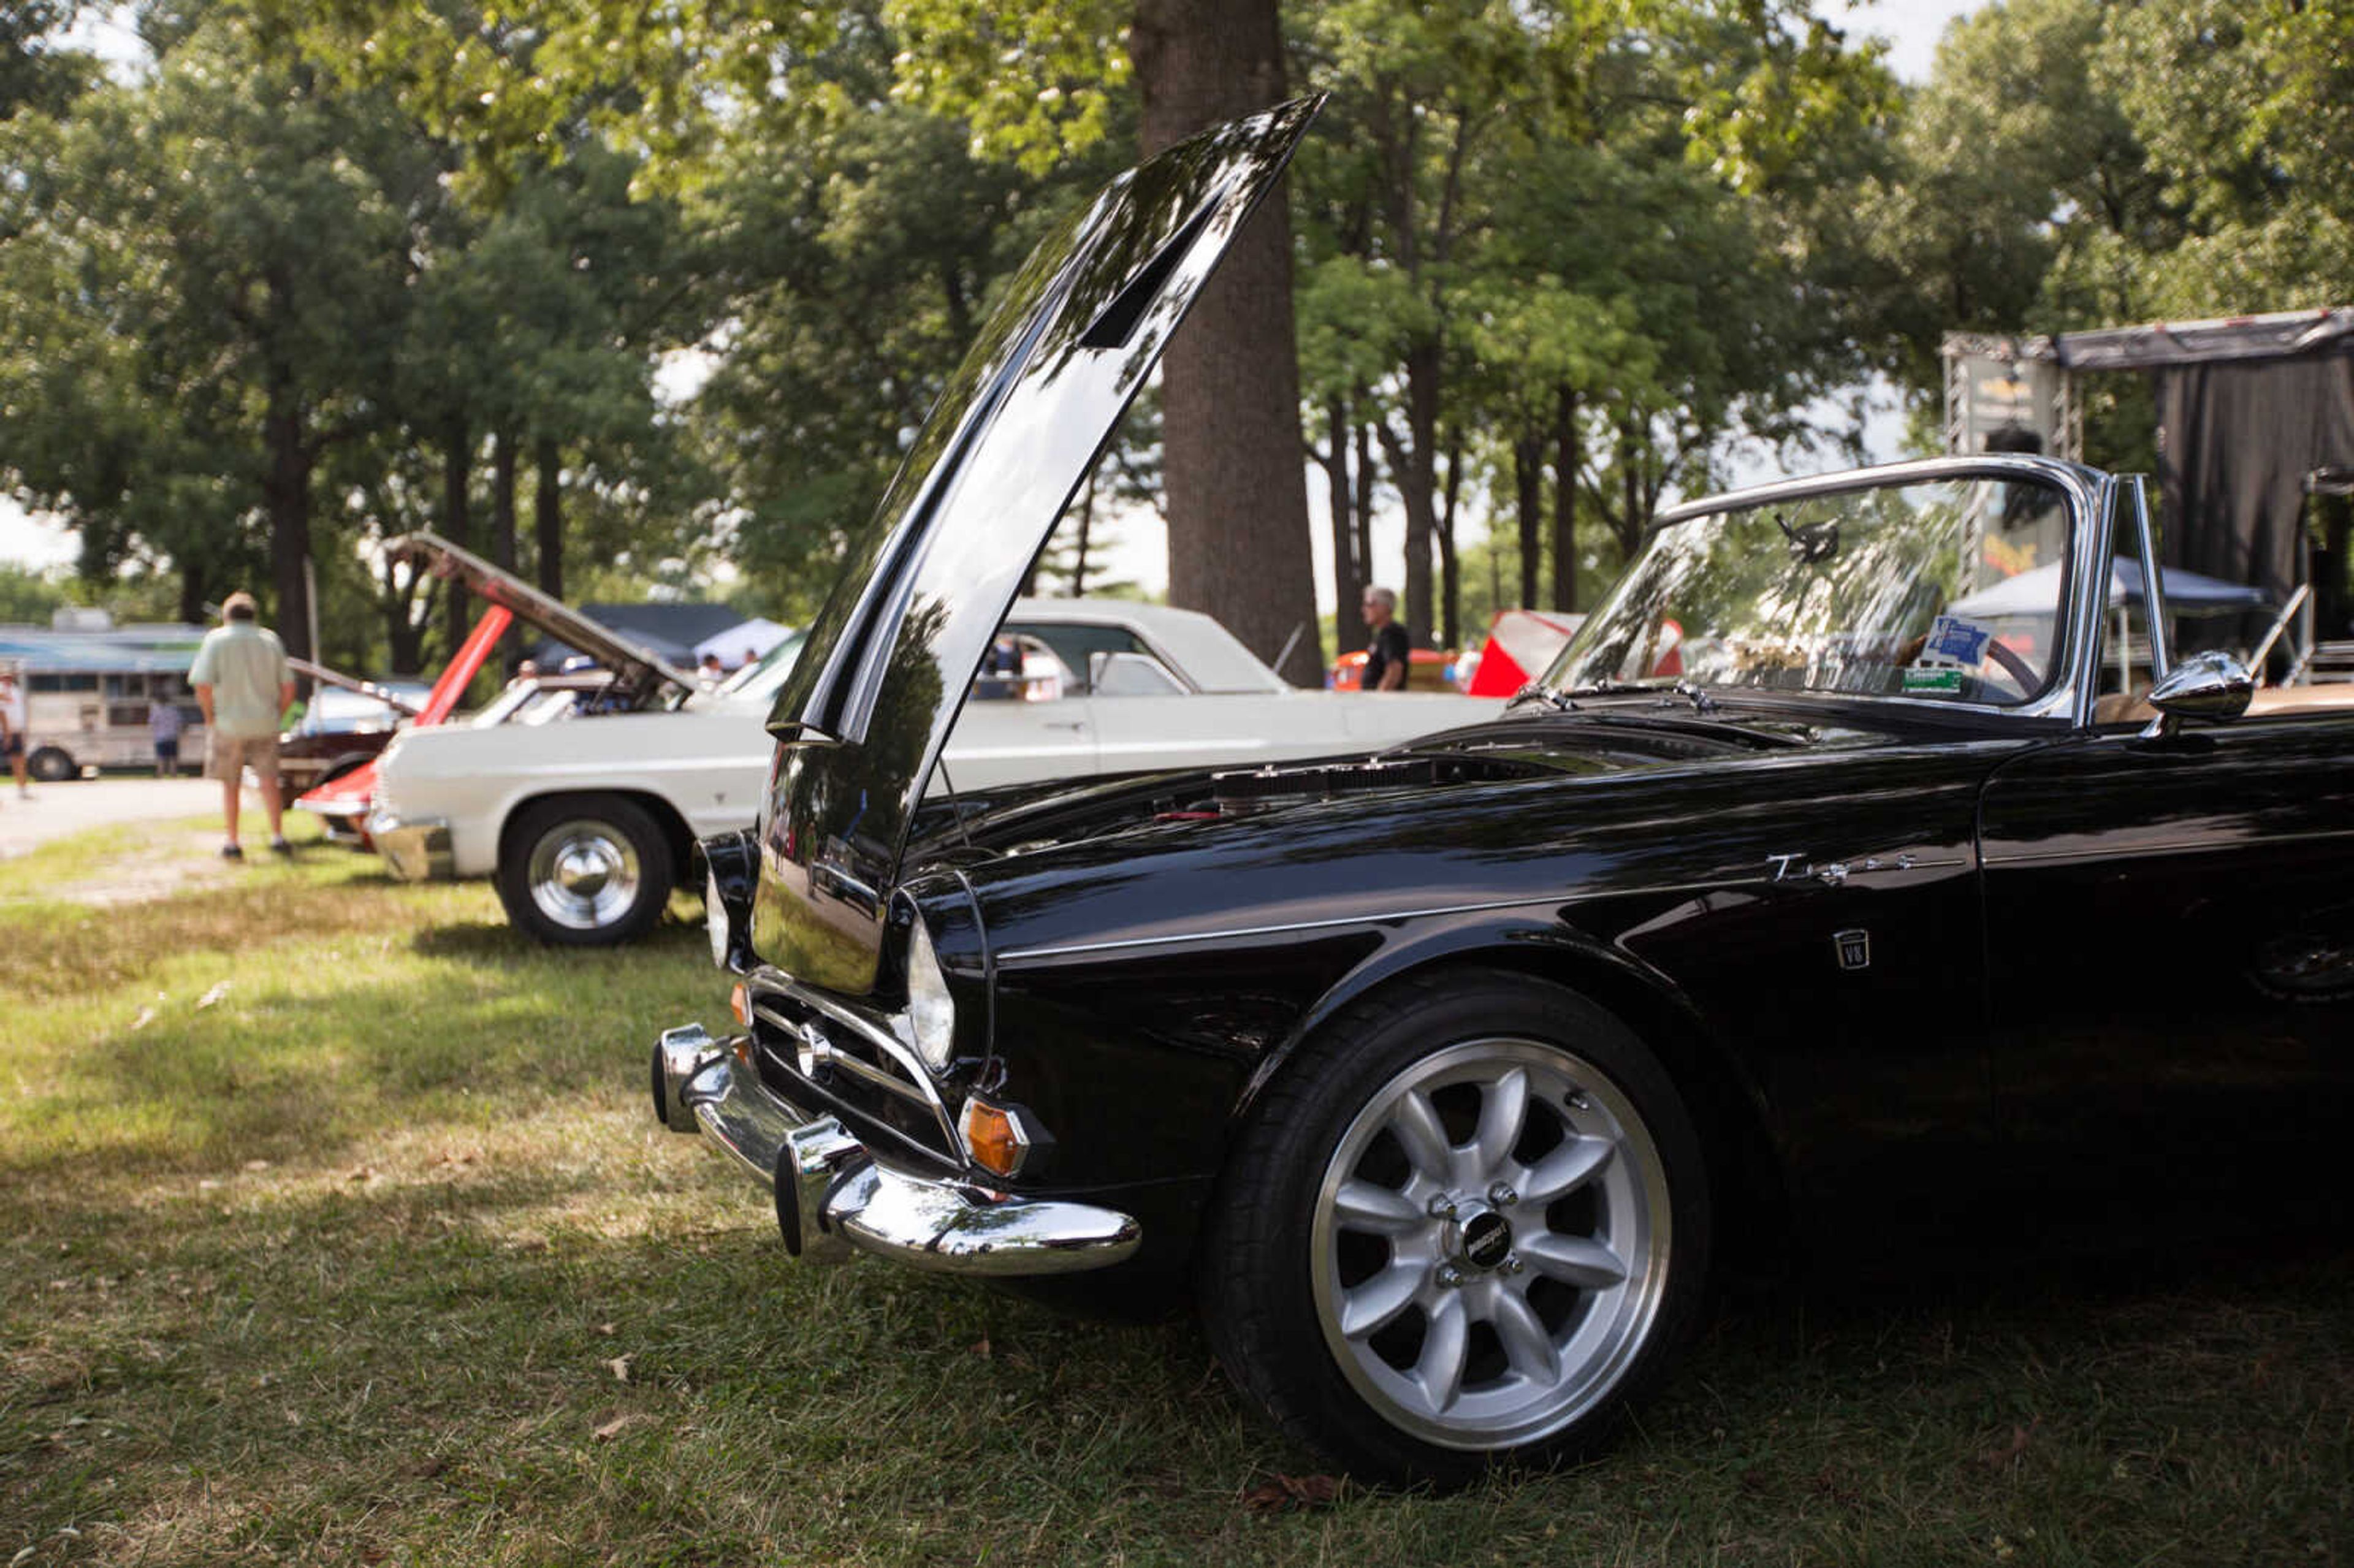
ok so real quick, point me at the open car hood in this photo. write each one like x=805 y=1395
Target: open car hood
x=636 y=668
x=862 y=721
x=327 y=677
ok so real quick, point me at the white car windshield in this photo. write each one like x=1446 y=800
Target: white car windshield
x=762 y=678
x=1949 y=590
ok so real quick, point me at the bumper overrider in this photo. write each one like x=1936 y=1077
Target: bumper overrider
x=833 y=1197
x=417 y=849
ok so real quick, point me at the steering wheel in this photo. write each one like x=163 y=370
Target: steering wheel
x=2018 y=671
x=2013 y=668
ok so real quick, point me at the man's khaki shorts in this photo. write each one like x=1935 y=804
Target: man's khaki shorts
x=229 y=755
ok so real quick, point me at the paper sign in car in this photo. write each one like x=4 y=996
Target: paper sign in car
x=1954 y=643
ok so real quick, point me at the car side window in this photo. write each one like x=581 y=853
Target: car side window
x=1077 y=644
x=1131 y=675
x=1019 y=667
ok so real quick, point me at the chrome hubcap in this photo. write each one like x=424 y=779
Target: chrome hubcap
x=583 y=874
x=1491 y=1243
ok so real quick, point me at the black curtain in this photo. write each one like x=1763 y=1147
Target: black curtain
x=2235 y=443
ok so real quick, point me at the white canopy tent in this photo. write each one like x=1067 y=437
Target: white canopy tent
x=739 y=645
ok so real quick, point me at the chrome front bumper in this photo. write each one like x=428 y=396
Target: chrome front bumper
x=417 y=850
x=833 y=1197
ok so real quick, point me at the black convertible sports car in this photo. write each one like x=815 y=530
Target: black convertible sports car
x=1839 y=886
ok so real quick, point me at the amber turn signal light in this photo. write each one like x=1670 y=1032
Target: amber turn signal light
x=739 y=1001
x=994 y=1138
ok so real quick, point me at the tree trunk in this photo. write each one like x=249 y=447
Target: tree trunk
x=1239 y=539
x=1451 y=568
x=286 y=495
x=1079 y=549
x=1348 y=579
x=1528 y=508
x=1363 y=507
x=502 y=534
x=403 y=632
x=457 y=454
x=547 y=520
x=1631 y=486
x=1624 y=523
x=1413 y=470
x=193 y=584
x=1564 y=504
x=503 y=500
x=1411 y=465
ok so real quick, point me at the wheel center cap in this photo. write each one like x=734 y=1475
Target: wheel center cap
x=583 y=871
x=1487 y=1239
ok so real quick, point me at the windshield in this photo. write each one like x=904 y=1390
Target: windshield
x=762 y=677
x=1890 y=590
x=511 y=697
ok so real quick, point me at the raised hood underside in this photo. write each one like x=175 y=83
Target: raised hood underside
x=864 y=717
x=637 y=669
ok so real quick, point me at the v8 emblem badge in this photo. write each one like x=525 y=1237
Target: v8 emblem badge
x=1854 y=949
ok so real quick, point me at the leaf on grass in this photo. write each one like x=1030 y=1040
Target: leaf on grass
x=606 y=1329
x=1826 y=1483
x=146 y=1016
x=24 y=1555
x=620 y=1365
x=360 y=1173
x=981 y=1347
x=213 y=996
x=1288 y=1492
x=612 y=1429
x=257 y=1165
x=1997 y=1458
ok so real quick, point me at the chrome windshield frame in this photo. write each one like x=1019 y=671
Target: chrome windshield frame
x=2090 y=497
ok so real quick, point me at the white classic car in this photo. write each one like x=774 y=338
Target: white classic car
x=586 y=808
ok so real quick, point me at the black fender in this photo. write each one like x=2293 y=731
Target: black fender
x=1721 y=1086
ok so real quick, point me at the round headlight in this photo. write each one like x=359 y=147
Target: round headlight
x=930 y=1012
x=715 y=917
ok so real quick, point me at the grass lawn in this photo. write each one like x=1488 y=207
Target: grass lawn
x=335 y=1228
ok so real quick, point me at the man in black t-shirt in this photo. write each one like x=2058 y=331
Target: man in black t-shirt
x=1387 y=655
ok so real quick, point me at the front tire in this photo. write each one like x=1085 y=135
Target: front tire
x=585 y=871
x=51 y=765
x=1468 y=1224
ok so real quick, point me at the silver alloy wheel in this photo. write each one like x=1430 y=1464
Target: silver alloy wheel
x=584 y=874
x=1485 y=1292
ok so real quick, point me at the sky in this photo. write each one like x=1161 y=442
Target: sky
x=1912 y=27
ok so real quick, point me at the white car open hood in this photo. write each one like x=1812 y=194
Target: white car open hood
x=637 y=669
x=862 y=721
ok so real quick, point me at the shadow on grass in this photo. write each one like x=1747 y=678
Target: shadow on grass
x=312 y=1338
x=433 y=1363
x=423 y=1365
x=472 y=940
x=495 y=941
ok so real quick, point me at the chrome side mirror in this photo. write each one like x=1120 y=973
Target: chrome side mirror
x=2212 y=685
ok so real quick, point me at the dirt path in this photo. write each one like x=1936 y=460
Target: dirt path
x=58 y=809
x=146 y=839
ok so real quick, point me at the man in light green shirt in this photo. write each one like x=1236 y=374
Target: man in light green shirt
x=243 y=684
